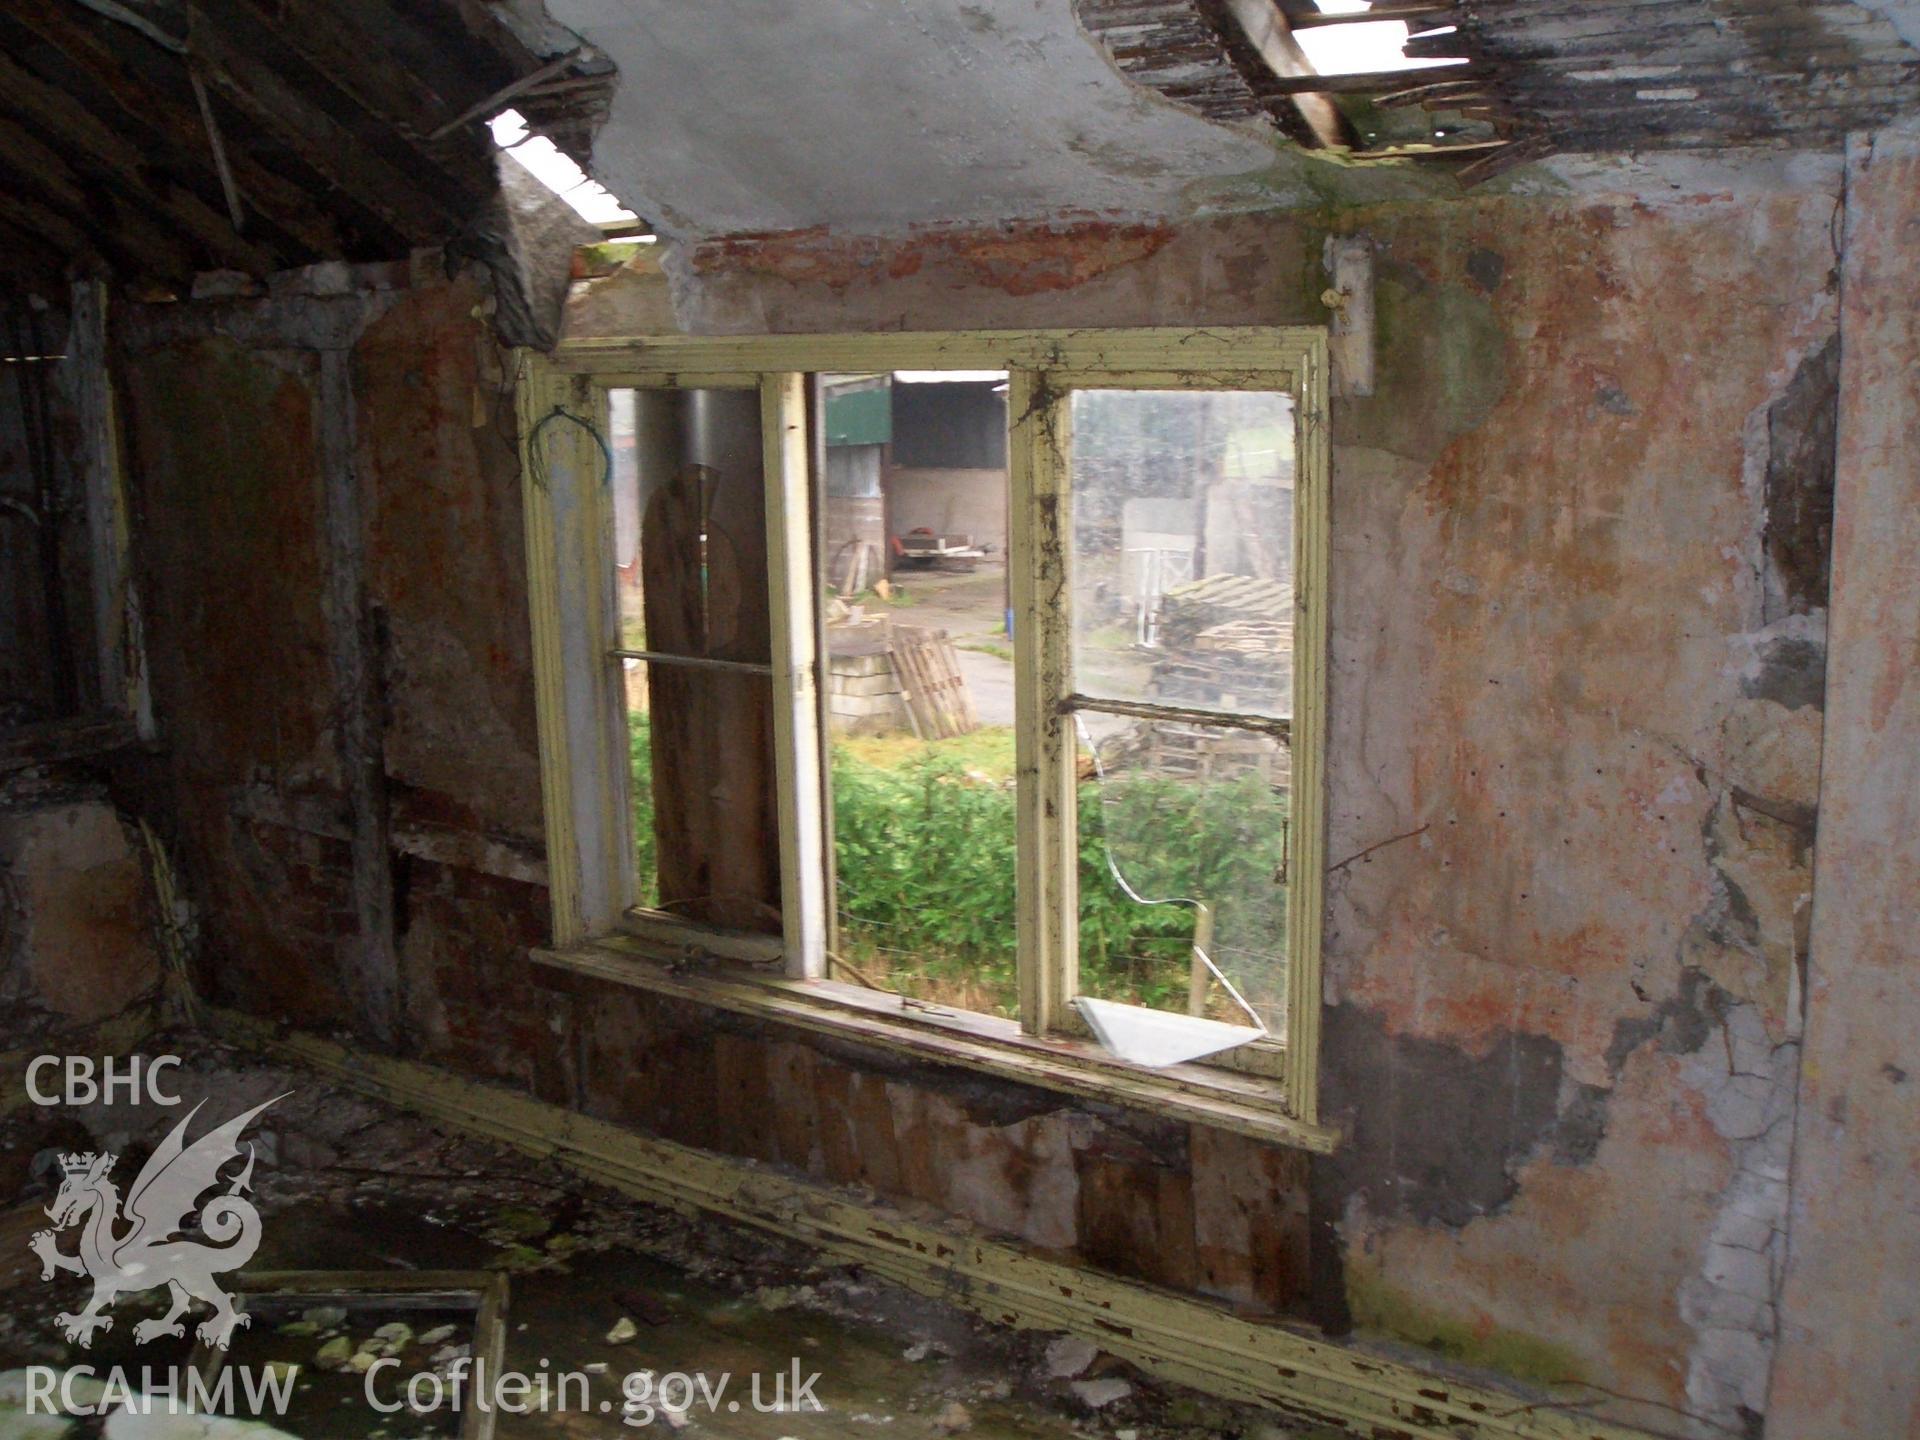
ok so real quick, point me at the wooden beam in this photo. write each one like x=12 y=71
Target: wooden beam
x=1371 y=82
x=218 y=146
x=245 y=64
x=48 y=226
x=1288 y=1367
x=797 y=670
x=1531 y=147
x=416 y=80
x=1316 y=19
x=42 y=193
x=126 y=98
x=94 y=147
x=27 y=256
x=1434 y=151
x=1268 y=32
x=1473 y=88
x=496 y=102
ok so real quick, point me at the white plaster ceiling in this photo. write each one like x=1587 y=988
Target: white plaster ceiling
x=752 y=115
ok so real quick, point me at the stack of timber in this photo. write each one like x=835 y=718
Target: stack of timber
x=1227 y=641
x=939 y=705
x=1197 y=752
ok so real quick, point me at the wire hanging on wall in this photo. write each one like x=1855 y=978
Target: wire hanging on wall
x=537 y=459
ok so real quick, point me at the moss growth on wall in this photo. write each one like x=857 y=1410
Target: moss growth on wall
x=1384 y=1311
x=1442 y=365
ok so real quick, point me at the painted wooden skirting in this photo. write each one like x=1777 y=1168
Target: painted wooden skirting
x=1177 y=1338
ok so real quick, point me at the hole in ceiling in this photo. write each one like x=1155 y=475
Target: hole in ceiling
x=1363 y=47
x=557 y=170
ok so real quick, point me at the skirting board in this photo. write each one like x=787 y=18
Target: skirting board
x=1172 y=1336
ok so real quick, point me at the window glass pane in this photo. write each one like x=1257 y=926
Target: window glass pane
x=1183 y=547
x=918 y=682
x=690 y=578
x=1182 y=574
x=1183 y=839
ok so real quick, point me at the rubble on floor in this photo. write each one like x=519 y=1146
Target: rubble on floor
x=600 y=1285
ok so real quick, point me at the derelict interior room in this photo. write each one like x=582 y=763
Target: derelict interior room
x=1028 y=719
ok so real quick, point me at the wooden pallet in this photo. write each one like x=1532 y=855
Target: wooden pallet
x=1204 y=753
x=938 y=702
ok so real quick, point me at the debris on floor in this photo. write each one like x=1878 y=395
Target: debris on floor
x=631 y=1317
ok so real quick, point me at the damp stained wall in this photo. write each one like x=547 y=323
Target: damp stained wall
x=1850 y=1315
x=1578 y=646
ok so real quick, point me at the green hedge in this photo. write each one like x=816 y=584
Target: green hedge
x=925 y=858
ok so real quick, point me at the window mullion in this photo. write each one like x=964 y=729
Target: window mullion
x=1043 y=677
x=570 y=597
x=1306 y=870
x=796 y=706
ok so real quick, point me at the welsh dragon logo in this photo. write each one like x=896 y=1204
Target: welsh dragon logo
x=147 y=1253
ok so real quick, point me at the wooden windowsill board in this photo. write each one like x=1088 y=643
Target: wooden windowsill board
x=1203 y=1095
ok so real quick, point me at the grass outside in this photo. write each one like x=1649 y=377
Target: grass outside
x=926 y=860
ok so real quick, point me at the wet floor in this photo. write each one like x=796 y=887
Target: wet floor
x=617 y=1342
x=620 y=1319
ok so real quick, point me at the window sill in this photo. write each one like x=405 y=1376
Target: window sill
x=1202 y=1095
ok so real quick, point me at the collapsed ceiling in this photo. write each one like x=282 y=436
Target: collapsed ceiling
x=745 y=115
x=159 y=140
x=735 y=116
x=1593 y=76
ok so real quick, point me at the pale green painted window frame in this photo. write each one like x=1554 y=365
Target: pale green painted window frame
x=582 y=723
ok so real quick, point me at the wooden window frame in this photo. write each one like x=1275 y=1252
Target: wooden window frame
x=596 y=928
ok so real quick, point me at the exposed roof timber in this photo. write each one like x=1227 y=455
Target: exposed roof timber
x=1451 y=93
x=260 y=69
x=124 y=96
x=1430 y=152
x=1594 y=75
x=493 y=104
x=1200 y=54
x=1266 y=30
x=1315 y=19
x=1612 y=74
x=19 y=212
x=1365 y=83
x=333 y=41
x=29 y=258
x=149 y=120
x=39 y=178
x=68 y=128
x=1171 y=49
x=1516 y=152
x=115 y=11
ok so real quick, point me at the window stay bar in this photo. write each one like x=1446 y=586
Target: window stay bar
x=1276 y=726
x=697 y=662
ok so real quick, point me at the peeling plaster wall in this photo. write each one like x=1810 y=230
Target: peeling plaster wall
x=1850 y=1351
x=326 y=493
x=1578 y=670
x=77 y=947
x=1578 y=656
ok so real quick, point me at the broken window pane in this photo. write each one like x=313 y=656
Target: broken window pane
x=1182 y=575
x=1183 y=844
x=690 y=578
x=918 y=681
